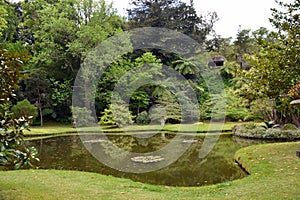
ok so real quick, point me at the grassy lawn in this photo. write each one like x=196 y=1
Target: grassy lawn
x=63 y=129
x=273 y=167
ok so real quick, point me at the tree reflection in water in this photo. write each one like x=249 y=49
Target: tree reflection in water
x=68 y=152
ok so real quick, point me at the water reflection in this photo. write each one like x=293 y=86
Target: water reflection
x=69 y=153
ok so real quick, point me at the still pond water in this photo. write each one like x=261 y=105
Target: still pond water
x=69 y=153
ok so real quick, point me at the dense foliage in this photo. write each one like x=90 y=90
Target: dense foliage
x=261 y=71
x=289 y=132
x=275 y=67
x=24 y=109
x=174 y=15
x=13 y=152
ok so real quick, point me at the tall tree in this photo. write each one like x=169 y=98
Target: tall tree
x=37 y=90
x=3 y=15
x=64 y=32
x=171 y=14
x=276 y=66
x=13 y=151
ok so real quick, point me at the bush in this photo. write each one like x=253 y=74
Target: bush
x=157 y=113
x=270 y=124
x=13 y=150
x=252 y=117
x=249 y=131
x=82 y=116
x=272 y=133
x=143 y=118
x=250 y=126
x=289 y=127
x=25 y=109
x=253 y=132
x=107 y=118
x=290 y=134
x=116 y=114
x=237 y=114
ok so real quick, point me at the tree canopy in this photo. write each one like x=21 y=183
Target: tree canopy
x=55 y=37
x=171 y=14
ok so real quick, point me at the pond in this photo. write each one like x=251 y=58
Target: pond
x=69 y=153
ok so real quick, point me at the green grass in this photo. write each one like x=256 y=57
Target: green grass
x=274 y=175
x=63 y=129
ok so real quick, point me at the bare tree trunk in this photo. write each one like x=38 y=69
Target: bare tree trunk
x=87 y=94
x=274 y=115
x=41 y=116
x=295 y=119
x=163 y=135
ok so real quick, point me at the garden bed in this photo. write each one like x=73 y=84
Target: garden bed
x=252 y=131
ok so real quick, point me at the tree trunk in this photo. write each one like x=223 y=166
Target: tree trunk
x=87 y=94
x=295 y=119
x=41 y=115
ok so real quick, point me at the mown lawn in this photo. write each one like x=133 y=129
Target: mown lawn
x=274 y=172
x=63 y=129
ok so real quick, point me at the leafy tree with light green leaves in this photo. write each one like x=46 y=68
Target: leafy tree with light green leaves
x=3 y=15
x=117 y=114
x=276 y=66
x=140 y=97
x=64 y=32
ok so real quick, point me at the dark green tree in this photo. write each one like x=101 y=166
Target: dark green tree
x=13 y=151
x=37 y=90
x=171 y=14
x=24 y=109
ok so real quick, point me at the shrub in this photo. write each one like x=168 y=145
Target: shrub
x=116 y=114
x=253 y=132
x=270 y=124
x=272 y=133
x=237 y=114
x=82 y=116
x=290 y=134
x=236 y=106
x=143 y=118
x=107 y=118
x=250 y=126
x=257 y=132
x=262 y=133
x=25 y=109
x=253 y=116
x=13 y=150
x=289 y=127
x=157 y=113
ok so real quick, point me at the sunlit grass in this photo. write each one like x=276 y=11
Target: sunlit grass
x=199 y=127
